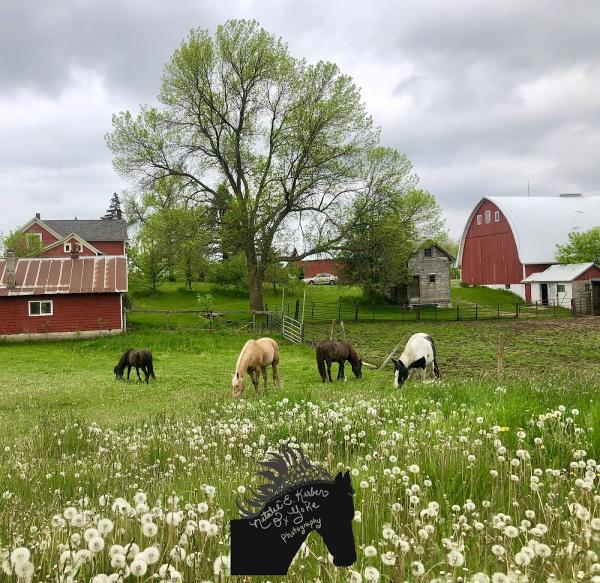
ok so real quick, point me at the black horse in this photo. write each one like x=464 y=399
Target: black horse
x=138 y=359
x=329 y=351
x=299 y=497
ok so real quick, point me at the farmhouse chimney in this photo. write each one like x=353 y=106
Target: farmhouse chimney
x=119 y=215
x=38 y=216
x=11 y=268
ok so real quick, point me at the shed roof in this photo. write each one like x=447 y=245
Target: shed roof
x=90 y=230
x=539 y=223
x=63 y=275
x=559 y=273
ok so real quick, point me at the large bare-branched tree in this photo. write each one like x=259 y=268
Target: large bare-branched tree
x=290 y=140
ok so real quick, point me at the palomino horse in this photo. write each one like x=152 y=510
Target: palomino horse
x=418 y=354
x=329 y=351
x=138 y=359
x=255 y=357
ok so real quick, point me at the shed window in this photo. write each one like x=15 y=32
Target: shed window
x=507 y=286
x=497 y=216
x=428 y=252
x=560 y=288
x=42 y=308
x=479 y=219
x=488 y=216
x=432 y=278
x=587 y=287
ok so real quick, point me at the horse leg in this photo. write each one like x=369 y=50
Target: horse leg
x=146 y=373
x=276 y=378
x=265 y=377
x=255 y=376
x=128 y=371
x=436 y=370
x=423 y=372
x=137 y=370
x=329 y=371
x=341 y=373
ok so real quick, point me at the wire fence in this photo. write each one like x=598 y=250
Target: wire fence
x=357 y=312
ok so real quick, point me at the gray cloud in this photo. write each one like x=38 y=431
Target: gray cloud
x=482 y=96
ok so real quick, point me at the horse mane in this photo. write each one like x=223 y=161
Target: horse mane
x=123 y=360
x=241 y=355
x=353 y=354
x=285 y=471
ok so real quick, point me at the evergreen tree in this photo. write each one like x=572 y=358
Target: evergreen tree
x=113 y=212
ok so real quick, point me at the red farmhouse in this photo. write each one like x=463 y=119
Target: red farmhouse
x=507 y=239
x=74 y=287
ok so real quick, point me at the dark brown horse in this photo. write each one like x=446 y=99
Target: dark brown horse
x=329 y=351
x=137 y=359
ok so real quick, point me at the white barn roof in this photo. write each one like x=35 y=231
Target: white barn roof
x=539 y=223
x=559 y=273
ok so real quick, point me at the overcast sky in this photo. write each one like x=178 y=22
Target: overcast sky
x=482 y=96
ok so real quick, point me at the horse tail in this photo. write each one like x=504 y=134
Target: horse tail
x=151 y=367
x=321 y=364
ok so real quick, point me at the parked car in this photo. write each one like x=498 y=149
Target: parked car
x=321 y=279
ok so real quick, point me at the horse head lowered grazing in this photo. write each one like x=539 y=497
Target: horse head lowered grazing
x=418 y=354
x=254 y=359
x=297 y=498
x=137 y=359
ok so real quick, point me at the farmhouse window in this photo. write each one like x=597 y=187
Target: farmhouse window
x=69 y=248
x=37 y=236
x=479 y=219
x=428 y=252
x=488 y=216
x=560 y=288
x=432 y=278
x=42 y=308
x=497 y=216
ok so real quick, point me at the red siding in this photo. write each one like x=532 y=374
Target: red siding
x=591 y=273
x=47 y=238
x=490 y=253
x=72 y=313
x=109 y=247
x=314 y=266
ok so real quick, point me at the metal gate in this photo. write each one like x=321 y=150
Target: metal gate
x=291 y=329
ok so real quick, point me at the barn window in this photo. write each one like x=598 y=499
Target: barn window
x=432 y=278
x=428 y=252
x=488 y=216
x=479 y=219
x=497 y=216
x=42 y=308
x=560 y=288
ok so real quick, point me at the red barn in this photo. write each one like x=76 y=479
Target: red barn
x=507 y=239
x=61 y=297
x=312 y=267
x=75 y=286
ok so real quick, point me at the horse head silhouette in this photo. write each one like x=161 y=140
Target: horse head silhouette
x=297 y=498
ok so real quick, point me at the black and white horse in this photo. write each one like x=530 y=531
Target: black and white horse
x=418 y=354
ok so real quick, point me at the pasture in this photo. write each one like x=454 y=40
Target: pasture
x=455 y=481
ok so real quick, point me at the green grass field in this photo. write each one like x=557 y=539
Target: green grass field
x=469 y=478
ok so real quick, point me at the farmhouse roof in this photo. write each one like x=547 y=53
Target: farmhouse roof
x=559 y=273
x=90 y=230
x=64 y=275
x=539 y=223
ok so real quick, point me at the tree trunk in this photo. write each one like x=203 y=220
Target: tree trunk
x=256 y=292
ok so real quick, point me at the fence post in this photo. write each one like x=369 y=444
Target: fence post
x=356 y=313
x=312 y=316
x=516 y=310
x=537 y=314
x=418 y=307
x=498 y=311
x=500 y=369
x=297 y=309
x=457 y=312
x=554 y=309
x=168 y=318
x=476 y=311
x=340 y=311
